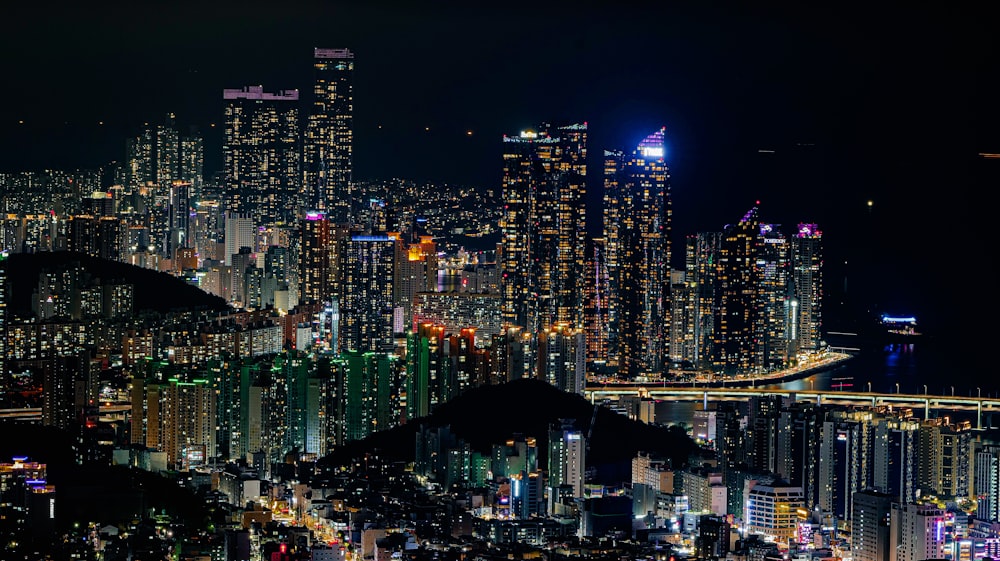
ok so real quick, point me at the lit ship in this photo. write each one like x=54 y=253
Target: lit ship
x=899 y=327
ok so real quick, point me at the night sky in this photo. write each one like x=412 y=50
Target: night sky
x=889 y=104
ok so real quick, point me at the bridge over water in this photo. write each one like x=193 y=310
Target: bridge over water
x=928 y=402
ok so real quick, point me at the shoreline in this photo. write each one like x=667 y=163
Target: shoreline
x=832 y=360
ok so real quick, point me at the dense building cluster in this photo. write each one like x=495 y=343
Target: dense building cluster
x=351 y=307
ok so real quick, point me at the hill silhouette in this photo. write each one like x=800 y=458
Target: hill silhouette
x=155 y=291
x=491 y=415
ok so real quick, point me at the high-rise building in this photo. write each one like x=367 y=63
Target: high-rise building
x=637 y=221
x=329 y=135
x=896 y=458
x=987 y=482
x=751 y=298
x=239 y=233
x=562 y=358
x=366 y=310
x=167 y=152
x=544 y=224
x=870 y=521
x=946 y=459
x=567 y=458
x=807 y=285
x=917 y=532
x=800 y=430
x=701 y=253
x=846 y=453
x=192 y=162
x=772 y=510
x=3 y=315
x=261 y=154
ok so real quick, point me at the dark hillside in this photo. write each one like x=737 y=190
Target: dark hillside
x=490 y=415
x=154 y=291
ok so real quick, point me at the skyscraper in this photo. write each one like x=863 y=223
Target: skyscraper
x=329 y=136
x=807 y=283
x=261 y=163
x=366 y=306
x=543 y=225
x=637 y=220
x=751 y=298
x=870 y=526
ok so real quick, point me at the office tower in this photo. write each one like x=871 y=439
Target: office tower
x=946 y=454
x=637 y=199
x=807 y=284
x=261 y=154
x=987 y=482
x=327 y=160
x=896 y=459
x=771 y=510
x=562 y=358
x=239 y=233
x=366 y=305
x=916 y=532
x=751 y=296
x=870 y=521
x=167 y=152
x=543 y=225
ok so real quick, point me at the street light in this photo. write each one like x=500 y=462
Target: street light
x=869 y=387
x=925 y=389
x=980 y=390
x=953 y=391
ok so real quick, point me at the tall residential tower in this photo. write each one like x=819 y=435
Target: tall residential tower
x=329 y=135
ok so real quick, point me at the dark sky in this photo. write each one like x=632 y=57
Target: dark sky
x=890 y=104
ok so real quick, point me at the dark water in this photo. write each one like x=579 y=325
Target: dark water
x=925 y=366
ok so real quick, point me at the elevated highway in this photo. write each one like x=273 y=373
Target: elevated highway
x=928 y=402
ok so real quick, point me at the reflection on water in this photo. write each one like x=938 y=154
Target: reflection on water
x=909 y=368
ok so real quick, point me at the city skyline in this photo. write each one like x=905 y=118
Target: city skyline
x=757 y=103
